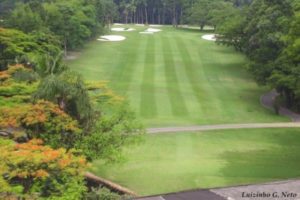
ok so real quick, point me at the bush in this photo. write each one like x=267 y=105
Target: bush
x=104 y=194
x=33 y=171
x=43 y=120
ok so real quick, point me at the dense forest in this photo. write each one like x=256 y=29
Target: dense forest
x=268 y=32
x=173 y=12
x=53 y=121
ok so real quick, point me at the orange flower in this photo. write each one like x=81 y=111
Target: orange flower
x=63 y=163
x=51 y=155
x=82 y=161
x=22 y=175
x=41 y=173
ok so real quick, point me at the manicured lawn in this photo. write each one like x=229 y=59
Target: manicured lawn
x=175 y=162
x=176 y=78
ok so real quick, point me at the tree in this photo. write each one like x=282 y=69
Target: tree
x=64 y=20
x=111 y=133
x=33 y=171
x=231 y=31
x=285 y=77
x=220 y=12
x=18 y=47
x=106 y=11
x=24 y=19
x=68 y=91
x=199 y=13
x=42 y=120
x=268 y=33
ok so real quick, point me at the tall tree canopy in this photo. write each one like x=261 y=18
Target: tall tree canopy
x=267 y=31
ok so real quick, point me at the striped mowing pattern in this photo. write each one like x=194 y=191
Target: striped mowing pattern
x=176 y=78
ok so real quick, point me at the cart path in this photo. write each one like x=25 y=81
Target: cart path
x=287 y=189
x=222 y=127
x=266 y=100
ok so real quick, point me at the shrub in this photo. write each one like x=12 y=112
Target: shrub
x=33 y=171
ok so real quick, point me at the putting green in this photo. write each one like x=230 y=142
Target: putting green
x=175 y=162
x=174 y=77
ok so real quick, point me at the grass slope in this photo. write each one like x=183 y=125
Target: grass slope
x=176 y=78
x=175 y=162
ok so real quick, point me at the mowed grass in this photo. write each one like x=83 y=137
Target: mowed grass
x=176 y=162
x=176 y=78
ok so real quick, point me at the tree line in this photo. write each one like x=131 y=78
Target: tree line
x=268 y=32
x=173 y=12
x=52 y=121
x=71 y=22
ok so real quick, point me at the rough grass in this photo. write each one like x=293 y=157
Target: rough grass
x=175 y=162
x=176 y=78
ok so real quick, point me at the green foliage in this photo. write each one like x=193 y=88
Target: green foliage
x=68 y=91
x=33 y=171
x=104 y=194
x=268 y=33
x=199 y=13
x=17 y=89
x=42 y=120
x=111 y=133
x=24 y=18
x=17 y=81
x=13 y=43
x=14 y=100
x=18 y=47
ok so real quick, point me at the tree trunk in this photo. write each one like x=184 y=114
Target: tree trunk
x=181 y=14
x=159 y=22
x=174 y=16
x=201 y=27
x=65 y=47
x=146 y=14
x=142 y=19
x=164 y=16
x=61 y=103
x=153 y=19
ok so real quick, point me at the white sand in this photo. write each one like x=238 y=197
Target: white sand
x=118 y=24
x=155 y=25
x=146 y=33
x=153 y=30
x=150 y=31
x=111 y=38
x=210 y=37
x=122 y=29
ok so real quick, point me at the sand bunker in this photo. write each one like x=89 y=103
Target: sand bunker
x=111 y=38
x=150 y=31
x=210 y=37
x=155 y=25
x=146 y=33
x=118 y=24
x=153 y=30
x=122 y=29
x=140 y=24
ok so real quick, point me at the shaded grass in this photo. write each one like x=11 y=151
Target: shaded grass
x=175 y=162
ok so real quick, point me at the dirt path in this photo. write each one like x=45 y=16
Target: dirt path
x=266 y=100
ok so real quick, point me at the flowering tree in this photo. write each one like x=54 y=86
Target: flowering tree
x=31 y=170
x=43 y=120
